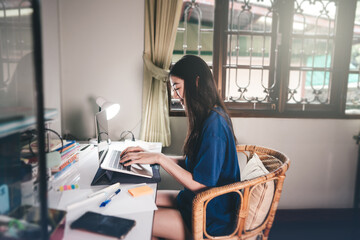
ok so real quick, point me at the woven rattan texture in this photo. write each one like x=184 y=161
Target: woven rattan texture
x=276 y=163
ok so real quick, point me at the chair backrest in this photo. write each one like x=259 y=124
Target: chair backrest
x=277 y=164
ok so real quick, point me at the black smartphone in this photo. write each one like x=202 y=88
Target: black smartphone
x=107 y=225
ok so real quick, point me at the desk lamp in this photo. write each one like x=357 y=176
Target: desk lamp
x=111 y=110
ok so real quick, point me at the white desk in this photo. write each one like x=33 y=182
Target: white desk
x=88 y=167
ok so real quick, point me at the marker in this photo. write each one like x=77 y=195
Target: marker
x=85 y=202
x=104 y=203
x=105 y=190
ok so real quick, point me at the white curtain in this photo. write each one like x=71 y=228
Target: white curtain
x=161 y=22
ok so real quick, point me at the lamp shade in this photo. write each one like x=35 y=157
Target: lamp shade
x=111 y=108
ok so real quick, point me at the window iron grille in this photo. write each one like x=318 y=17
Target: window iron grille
x=194 y=35
x=353 y=84
x=195 y=30
x=193 y=7
x=313 y=38
x=250 y=35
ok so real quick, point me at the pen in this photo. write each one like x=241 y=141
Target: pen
x=87 y=145
x=104 y=203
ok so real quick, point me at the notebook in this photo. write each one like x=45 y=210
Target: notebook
x=109 y=157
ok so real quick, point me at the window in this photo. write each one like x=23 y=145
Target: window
x=277 y=58
x=194 y=36
x=16 y=46
x=353 y=87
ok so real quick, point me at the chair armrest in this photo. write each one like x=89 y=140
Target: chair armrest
x=233 y=187
x=201 y=200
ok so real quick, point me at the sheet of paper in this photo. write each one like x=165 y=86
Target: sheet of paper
x=54 y=199
x=72 y=196
x=150 y=146
x=122 y=204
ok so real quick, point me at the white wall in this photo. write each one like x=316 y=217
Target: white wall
x=101 y=55
x=51 y=58
x=101 y=49
x=323 y=155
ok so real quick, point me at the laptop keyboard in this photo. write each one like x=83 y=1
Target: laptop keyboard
x=115 y=161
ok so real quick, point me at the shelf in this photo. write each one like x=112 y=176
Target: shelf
x=20 y=119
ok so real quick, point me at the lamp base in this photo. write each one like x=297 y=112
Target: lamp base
x=95 y=141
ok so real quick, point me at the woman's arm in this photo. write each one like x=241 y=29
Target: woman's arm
x=179 y=160
x=134 y=155
x=181 y=175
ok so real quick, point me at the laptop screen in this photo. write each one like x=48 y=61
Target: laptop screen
x=102 y=133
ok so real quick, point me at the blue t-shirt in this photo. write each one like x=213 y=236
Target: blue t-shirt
x=215 y=164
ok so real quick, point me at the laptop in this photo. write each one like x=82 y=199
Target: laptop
x=109 y=157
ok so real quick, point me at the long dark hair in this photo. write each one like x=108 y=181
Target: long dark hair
x=201 y=96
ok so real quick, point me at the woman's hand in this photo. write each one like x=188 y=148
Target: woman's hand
x=133 y=155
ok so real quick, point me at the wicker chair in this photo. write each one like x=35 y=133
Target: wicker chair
x=277 y=164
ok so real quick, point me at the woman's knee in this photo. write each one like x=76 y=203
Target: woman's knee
x=166 y=198
x=169 y=224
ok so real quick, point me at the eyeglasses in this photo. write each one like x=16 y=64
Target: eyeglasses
x=176 y=91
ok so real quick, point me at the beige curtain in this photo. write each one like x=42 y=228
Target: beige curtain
x=161 y=21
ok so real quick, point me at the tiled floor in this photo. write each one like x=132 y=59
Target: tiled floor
x=316 y=224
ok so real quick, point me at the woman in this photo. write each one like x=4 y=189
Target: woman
x=210 y=155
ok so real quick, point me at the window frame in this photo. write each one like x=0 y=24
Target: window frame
x=340 y=67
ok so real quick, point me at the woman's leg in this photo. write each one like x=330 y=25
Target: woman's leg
x=166 y=198
x=169 y=224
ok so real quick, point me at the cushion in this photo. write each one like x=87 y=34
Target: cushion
x=261 y=196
